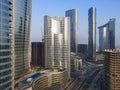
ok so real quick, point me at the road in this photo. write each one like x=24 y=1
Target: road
x=95 y=83
x=87 y=78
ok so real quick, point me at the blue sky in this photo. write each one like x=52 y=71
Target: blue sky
x=106 y=9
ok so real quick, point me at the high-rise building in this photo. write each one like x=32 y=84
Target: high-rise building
x=22 y=21
x=92 y=33
x=38 y=54
x=83 y=48
x=6 y=45
x=73 y=14
x=57 y=42
x=107 y=35
x=112 y=69
x=15 y=17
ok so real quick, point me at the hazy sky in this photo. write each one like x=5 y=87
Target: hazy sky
x=106 y=9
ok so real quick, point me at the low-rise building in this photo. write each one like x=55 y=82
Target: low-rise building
x=75 y=62
x=51 y=81
x=99 y=56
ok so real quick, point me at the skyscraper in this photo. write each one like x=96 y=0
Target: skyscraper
x=112 y=69
x=57 y=42
x=22 y=21
x=6 y=45
x=107 y=35
x=73 y=14
x=83 y=48
x=92 y=33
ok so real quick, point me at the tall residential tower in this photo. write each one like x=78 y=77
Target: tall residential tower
x=107 y=35
x=92 y=33
x=22 y=21
x=73 y=14
x=6 y=45
x=57 y=43
x=15 y=19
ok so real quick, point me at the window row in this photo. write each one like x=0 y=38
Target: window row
x=5 y=47
x=4 y=20
x=4 y=7
x=5 y=53
x=5 y=40
x=4 y=27
x=5 y=1
x=5 y=60
x=3 y=13
x=5 y=79
x=5 y=73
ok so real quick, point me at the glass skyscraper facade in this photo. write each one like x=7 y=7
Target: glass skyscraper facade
x=22 y=21
x=92 y=33
x=6 y=48
x=107 y=35
x=57 y=43
x=73 y=14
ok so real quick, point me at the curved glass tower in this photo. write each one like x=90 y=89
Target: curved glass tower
x=57 y=42
x=22 y=20
x=107 y=35
x=6 y=48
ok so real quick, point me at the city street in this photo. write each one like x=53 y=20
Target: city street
x=87 y=78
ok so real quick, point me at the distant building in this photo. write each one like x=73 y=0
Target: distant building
x=75 y=62
x=73 y=14
x=112 y=69
x=92 y=34
x=38 y=54
x=99 y=56
x=82 y=48
x=107 y=35
x=57 y=43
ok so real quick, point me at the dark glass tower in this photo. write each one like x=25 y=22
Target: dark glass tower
x=22 y=21
x=92 y=33
x=73 y=14
x=6 y=48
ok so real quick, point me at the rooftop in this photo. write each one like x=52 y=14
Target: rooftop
x=117 y=50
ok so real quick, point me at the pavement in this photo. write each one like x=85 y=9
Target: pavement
x=94 y=84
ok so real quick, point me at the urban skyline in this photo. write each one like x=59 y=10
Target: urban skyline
x=103 y=15
x=57 y=63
